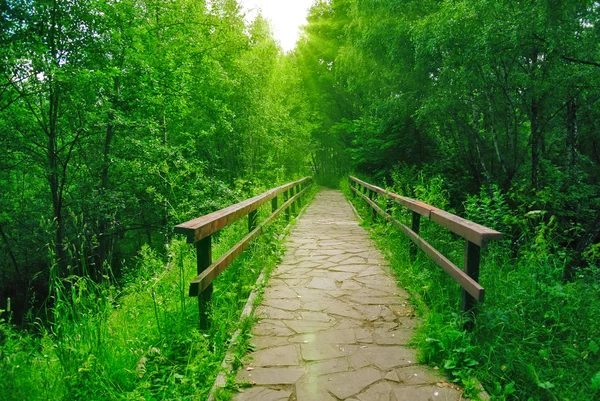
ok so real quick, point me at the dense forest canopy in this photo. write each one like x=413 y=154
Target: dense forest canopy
x=122 y=118
x=482 y=92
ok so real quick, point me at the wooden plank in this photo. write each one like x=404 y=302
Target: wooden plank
x=414 y=205
x=203 y=263
x=283 y=207
x=415 y=227
x=374 y=188
x=205 y=279
x=206 y=225
x=467 y=229
x=472 y=259
x=252 y=220
x=466 y=282
x=369 y=201
x=473 y=232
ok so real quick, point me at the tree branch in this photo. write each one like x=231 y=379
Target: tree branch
x=578 y=61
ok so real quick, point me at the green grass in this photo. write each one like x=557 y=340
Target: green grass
x=536 y=337
x=137 y=341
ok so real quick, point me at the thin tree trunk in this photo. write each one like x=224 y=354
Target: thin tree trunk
x=11 y=253
x=103 y=239
x=536 y=143
x=572 y=145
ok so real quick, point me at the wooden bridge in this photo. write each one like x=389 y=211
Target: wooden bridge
x=333 y=324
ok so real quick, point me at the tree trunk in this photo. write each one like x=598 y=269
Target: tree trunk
x=536 y=143
x=54 y=181
x=572 y=145
x=103 y=239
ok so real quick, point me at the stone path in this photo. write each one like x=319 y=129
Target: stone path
x=333 y=323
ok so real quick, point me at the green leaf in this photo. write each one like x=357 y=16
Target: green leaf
x=449 y=364
x=546 y=385
x=509 y=389
x=596 y=381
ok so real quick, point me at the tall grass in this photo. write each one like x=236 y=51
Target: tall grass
x=536 y=337
x=138 y=340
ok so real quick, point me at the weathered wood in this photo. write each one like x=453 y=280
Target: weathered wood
x=472 y=260
x=293 y=193
x=466 y=282
x=285 y=206
x=206 y=225
x=473 y=232
x=252 y=220
x=470 y=231
x=205 y=279
x=416 y=206
x=286 y=197
x=372 y=198
x=388 y=205
x=374 y=205
x=415 y=226
x=203 y=261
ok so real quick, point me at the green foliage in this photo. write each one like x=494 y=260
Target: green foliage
x=535 y=335
x=139 y=341
x=131 y=120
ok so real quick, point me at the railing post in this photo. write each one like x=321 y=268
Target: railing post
x=273 y=204
x=352 y=185
x=203 y=261
x=472 y=260
x=286 y=197
x=388 y=204
x=252 y=220
x=415 y=226
x=293 y=192
x=373 y=212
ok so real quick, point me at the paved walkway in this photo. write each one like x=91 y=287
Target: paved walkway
x=333 y=324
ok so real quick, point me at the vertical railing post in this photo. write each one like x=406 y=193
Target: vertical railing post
x=472 y=260
x=293 y=192
x=252 y=220
x=415 y=226
x=273 y=204
x=388 y=204
x=286 y=197
x=203 y=261
x=300 y=187
x=351 y=185
x=373 y=212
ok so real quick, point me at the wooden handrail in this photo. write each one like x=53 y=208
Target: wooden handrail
x=199 y=231
x=476 y=236
x=203 y=280
x=467 y=229
x=206 y=225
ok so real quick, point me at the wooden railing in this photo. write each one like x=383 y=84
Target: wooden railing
x=199 y=232
x=476 y=236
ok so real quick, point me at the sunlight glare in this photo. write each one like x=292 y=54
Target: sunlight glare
x=285 y=16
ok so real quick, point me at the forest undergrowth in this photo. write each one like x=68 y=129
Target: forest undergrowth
x=137 y=339
x=536 y=336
